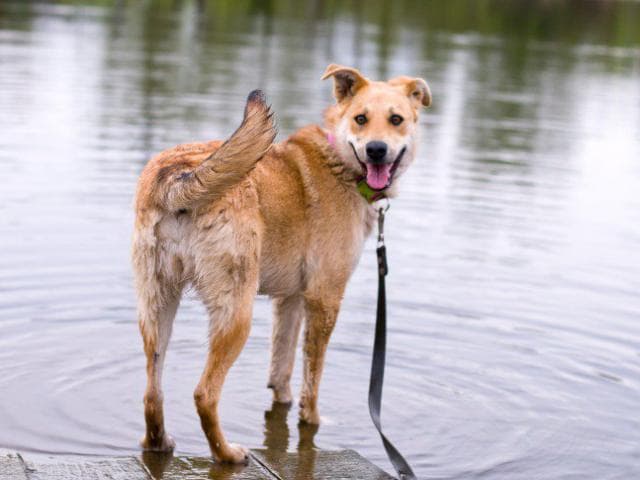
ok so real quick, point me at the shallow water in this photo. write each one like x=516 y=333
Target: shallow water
x=514 y=343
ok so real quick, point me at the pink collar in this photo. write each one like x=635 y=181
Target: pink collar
x=331 y=138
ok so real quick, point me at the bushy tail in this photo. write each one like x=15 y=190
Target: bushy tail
x=228 y=165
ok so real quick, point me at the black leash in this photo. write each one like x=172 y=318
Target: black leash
x=377 y=364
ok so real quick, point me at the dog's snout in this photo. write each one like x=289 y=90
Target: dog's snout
x=376 y=151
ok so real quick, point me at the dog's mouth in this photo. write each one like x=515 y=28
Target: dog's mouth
x=379 y=176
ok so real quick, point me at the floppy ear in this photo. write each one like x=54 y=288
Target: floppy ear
x=416 y=88
x=346 y=80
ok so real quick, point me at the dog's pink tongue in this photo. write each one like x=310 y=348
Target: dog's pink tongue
x=378 y=175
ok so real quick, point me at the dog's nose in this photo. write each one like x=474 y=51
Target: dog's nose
x=376 y=151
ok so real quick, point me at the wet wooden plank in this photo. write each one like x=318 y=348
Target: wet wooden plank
x=307 y=464
x=11 y=467
x=166 y=467
x=70 y=468
x=315 y=464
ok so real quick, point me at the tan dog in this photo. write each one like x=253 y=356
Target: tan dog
x=288 y=220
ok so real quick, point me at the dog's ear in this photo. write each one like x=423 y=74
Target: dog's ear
x=416 y=88
x=346 y=81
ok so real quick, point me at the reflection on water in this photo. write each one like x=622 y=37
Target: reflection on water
x=514 y=341
x=276 y=442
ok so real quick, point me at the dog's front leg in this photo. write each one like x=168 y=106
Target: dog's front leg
x=288 y=313
x=321 y=314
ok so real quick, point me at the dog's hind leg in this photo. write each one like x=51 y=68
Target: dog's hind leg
x=228 y=288
x=156 y=311
x=288 y=314
x=159 y=276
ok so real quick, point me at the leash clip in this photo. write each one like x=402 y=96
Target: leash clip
x=381 y=212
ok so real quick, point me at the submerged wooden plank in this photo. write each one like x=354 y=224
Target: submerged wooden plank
x=315 y=464
x=11 y=467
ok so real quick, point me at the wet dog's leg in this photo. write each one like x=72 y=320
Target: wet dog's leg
x=156 y=313
x=288 y=314
x=228 y=292
x=321 y=317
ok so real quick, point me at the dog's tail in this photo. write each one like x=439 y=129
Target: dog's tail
x=229 y=164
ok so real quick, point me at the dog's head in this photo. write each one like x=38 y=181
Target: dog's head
x=374 y=124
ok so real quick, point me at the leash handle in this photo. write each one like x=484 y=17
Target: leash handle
x=400 y=465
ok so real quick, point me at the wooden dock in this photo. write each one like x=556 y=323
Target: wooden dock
x=309 y=464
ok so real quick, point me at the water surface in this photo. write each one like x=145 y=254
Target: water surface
x=514 y=247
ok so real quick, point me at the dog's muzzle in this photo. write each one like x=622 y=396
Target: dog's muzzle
x=378 y=171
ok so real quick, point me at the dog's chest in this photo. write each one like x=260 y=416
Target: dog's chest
x=328 y=249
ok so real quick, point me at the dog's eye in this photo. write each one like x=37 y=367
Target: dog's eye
x=360 y=119
x=396 y=119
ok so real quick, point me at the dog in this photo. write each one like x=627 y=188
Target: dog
x=246 y=216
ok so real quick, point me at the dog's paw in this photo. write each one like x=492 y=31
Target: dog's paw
x=281 y=394
x=163 y=444
x=309 y=415
x=233 y=453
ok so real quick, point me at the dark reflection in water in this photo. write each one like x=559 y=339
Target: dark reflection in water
x=514 y=343
x=276 y=442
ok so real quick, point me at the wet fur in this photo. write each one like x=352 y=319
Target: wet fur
x=247 y=216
